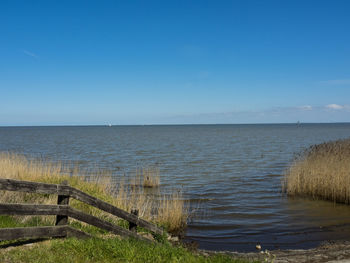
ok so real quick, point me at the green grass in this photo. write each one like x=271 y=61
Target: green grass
x=106 y=250
x=10 y=221
x=101 y=248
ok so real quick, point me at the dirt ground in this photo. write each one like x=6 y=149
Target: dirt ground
x=331 y=252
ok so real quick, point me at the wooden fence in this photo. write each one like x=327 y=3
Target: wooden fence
x=63 y=211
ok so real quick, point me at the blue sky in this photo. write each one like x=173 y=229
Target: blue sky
x=170 y=62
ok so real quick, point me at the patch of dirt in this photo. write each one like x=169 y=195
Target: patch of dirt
x=331 y=252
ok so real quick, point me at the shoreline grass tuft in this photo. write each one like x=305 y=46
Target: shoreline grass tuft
x=322 y=172
x=148 y=177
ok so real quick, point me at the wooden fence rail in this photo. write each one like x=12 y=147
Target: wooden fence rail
x=63 y=211
x=40 y=232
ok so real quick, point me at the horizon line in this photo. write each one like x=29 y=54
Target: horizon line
x=170 y=124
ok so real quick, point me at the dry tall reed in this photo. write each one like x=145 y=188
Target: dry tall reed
x=161 y=209
x=146 y=177
x=322 y=172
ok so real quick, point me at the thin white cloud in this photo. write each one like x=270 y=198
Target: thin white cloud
x=306 y=107
x=307 y=113
x=336 y=82
x=334 y=107
x=28 y=53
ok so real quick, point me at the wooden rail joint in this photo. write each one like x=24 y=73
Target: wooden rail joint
x=133 y=226
x=62 y=200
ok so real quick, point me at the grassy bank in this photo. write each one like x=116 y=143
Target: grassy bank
x=166 y=210
x=105 y=250
x=100 y=248
x=103 y=247
x=322 y=171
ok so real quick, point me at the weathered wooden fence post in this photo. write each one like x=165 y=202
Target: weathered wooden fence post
x=132 y=226
x=62 y=200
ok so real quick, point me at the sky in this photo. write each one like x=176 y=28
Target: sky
x=174 y=62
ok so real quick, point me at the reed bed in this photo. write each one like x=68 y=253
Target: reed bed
x=321 y=172
x=167 y=210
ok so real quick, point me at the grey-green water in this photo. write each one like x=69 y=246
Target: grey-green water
x=234 y=171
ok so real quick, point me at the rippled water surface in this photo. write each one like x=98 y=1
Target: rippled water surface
x=234 y=171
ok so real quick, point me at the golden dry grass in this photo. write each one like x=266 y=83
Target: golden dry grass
x=148 y=177
x=322 y=172
x=168 y=210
